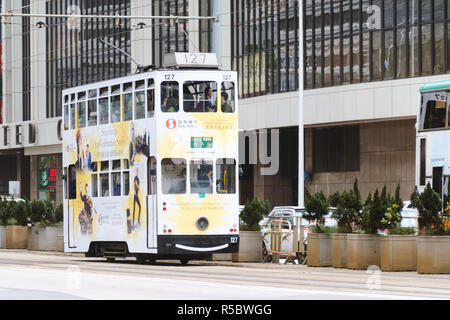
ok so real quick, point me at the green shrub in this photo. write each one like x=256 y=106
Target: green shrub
x=316 y=207
x=20 y=212
x=348 y=206
x=374 y=211
x=42 y=213
x=402 y=230
x=428 y=203
x=59 y=213
x=253 y=213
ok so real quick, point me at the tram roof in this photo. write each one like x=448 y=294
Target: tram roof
x=435 y=86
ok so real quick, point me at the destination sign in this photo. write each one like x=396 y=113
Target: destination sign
x=201 y=142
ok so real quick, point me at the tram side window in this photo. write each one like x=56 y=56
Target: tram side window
x=92 y=113
x=66 y=117
x=104 y=179
x=227 y=95
x=82 y=114
x=173 y=175
x=104 y=110
x=201 y=176
x=72 y=182
x=115 y=109
x=126 y=177
x=115 y=176
x=127 y=106
x=226 y=176
x=150 y=103
x=72 y=116
x=139 y=112
x=169 y=96
x=200 y=96
x=94 y=180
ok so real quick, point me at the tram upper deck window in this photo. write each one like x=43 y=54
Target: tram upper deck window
x=128 y=106
x=81 y=114
x=435 y=107
x=173 y=175
x=66 y=117
x=104 y=110
x=169 y=96
x=227 y=95
x=200 y=96
x=201 y=176
x=139 y=100
x=226 y=176
x=72 y=115
x=115 y=108
x=150 y=98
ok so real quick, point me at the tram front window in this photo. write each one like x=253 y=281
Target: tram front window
x=200 y=96
x=226 y=176
x=169 y=96
x=173 y=173
x=201 y=176
x=435 y=108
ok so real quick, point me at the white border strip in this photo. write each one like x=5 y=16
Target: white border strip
x=180 y=246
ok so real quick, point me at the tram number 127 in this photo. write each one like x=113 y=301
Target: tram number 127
x=194 y=58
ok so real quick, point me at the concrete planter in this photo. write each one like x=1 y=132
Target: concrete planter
x=398 y=253
x=363 y=250
x=250 y=247
x=339 y=250
x=60 y=242
x=319 y=250
x=44 y=239
x=2 y=237
x=16 y=237
x=433 y=254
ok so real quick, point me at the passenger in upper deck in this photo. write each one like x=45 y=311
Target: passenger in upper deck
x=170 y=105
x=206 y=105
x=226 y=107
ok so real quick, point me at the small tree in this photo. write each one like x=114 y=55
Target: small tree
x=253 y=212
x=316 y=207
x=20 y=212
x=348 y=206
x=374 y=211
x=392 y=216
x=428 y=203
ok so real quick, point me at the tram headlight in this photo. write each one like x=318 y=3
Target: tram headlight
x=202 y=224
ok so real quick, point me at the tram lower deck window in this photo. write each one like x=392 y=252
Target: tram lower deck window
x=201 y=176
x=226 y=176
x=173 y=173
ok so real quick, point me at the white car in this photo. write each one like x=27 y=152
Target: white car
x=410 y=215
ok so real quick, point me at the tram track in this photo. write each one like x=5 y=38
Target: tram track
x=345 y=281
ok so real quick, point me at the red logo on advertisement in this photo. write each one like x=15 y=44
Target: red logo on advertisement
x=100 y=219
x=171 y=124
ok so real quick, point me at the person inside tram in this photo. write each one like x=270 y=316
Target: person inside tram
x=206 y=105
x=188 y=100
x=226 y=107
x=170 y=105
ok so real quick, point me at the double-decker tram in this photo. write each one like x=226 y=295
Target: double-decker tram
x=151 y=163
x=433 y=139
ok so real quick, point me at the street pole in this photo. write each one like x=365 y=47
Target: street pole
x=216 y=31
x=301 y=159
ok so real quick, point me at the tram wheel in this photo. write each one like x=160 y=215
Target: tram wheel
x=110 y=259
x=140 y=258
x=184 y=261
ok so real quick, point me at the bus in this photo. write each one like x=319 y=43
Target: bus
x=433 y=139
x=150 y=163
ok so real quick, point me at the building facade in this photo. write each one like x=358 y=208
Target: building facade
x=364 y=62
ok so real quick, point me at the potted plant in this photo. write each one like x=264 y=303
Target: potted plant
x=17 y=225
x=250 y=240
x=433 y=242
x=4 y=216
x=46 y=227
x=398 y=250
x=348 y=206
x=363 y=248
x=319 y=241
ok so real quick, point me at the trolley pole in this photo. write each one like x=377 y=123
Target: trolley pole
x=301 y=156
